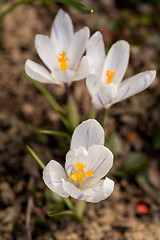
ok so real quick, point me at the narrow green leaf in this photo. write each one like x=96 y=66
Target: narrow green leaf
x=57 y=133
x=114 y=143
x=67 y=212
x=48 y=96
x=38 y=160
x=135 y=161
x=156 y=140
x=69 y=204
x=80 y=7
x=54 y=104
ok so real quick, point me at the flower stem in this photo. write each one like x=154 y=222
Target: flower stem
x=100 y=116
x=80 y=207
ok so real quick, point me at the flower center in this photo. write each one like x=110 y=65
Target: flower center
x=81 y=173
x=62 y=60
x=109 y=75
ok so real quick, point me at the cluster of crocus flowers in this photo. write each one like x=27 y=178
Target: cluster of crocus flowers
x=62 y=53
x=87 y=162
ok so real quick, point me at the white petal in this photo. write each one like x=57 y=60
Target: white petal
x=62 y=31
x=38 y=72
x=99 y=160
x=96 y=53
x=74 y=156
x=77 y=48
x=83 y=69
x=105 y=95
x=100 y=191
x=72 y=190
x=116 y=60
x=62 y=77
x=93 y=84
x=88 y=133
x=52 y=176
x=46 y=51
x=134 y=85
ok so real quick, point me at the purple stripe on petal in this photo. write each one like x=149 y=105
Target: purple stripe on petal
x=100 y=164
x=69 y=166
x=95 y=83
x=80 y=197
x=87 y=138
x=100 y=99
x=55 y=31
x=125 y=94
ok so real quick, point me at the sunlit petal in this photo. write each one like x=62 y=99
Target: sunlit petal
x=88 y=133
x=96 y=53
x=38 y=72
x=52 y=176
x=117 y=61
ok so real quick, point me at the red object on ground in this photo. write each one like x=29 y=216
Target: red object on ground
x=142 y=208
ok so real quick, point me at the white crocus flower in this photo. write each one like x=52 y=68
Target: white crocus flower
x=87 y=162
x=61 y=53
x=105 y=83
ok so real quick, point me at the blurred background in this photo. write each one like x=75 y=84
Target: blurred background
x=132 y=127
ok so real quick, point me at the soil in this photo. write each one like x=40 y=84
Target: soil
x=23 y=111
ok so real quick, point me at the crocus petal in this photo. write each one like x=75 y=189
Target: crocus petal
x=62 y=77
x=83 y=69
x=88 y=133
x=93 y=84
x=99 y=191
x=117 y=61
x=62 y=31
x=72 y=190
x=74 y=156
x=96 y=53
x=53 y=175
x=99 y=160
x=38 y=72
x=134 y=85
x=77 y=48
x=46 y=51
x=105 y=95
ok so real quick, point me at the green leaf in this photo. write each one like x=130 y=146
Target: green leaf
x=80 y=7
x=48 y=96
x=56 y=133
x=135 y=162
x=67 y=212
x=73 y=113
x=114 y=143
x=38 y=160
x=156 y=140
x=54 y=104
x=52 y=197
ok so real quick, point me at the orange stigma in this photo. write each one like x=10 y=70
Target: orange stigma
x=110 y=75
x=62 y=60
x=81 y=173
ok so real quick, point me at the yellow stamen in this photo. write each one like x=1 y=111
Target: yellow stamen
x=110 y=75
x=81 y=173
x=62 y=60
